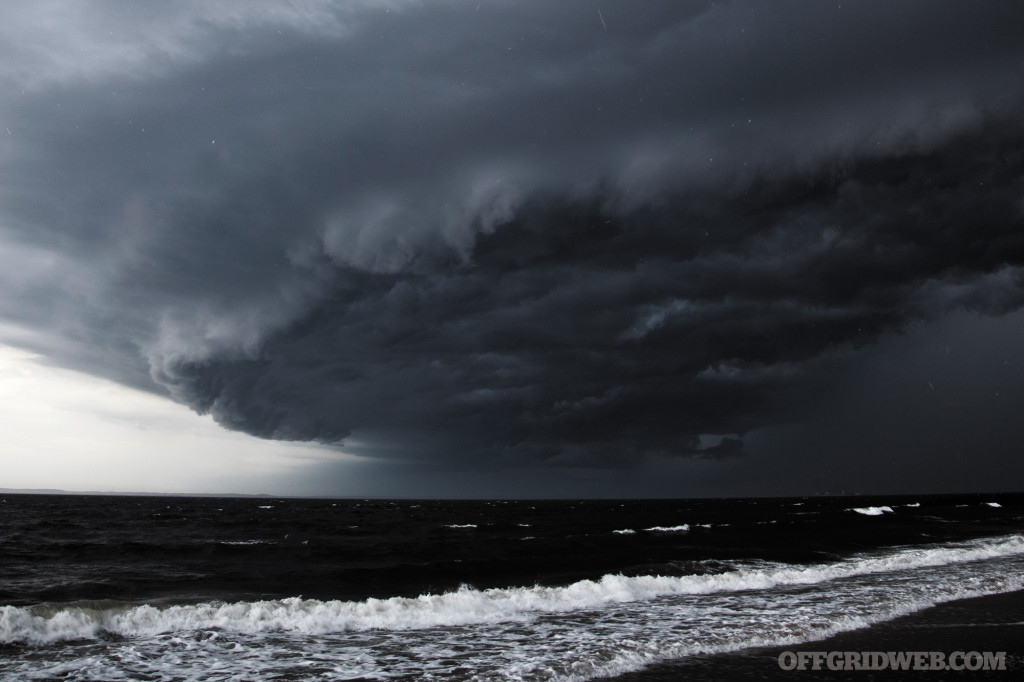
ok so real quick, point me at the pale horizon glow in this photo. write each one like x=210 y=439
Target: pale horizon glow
x=68 y=430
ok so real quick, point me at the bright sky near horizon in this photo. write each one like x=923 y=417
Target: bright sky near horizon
x=68 y=430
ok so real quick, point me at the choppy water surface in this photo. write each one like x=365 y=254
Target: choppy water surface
x=167 y=588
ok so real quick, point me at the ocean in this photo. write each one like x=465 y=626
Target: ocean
x=206 y=588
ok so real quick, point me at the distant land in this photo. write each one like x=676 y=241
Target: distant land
x=55 y=491
x=840 y=494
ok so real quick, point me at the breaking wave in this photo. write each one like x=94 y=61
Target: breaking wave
x=669 y=529
x=872 y=511
x=89 y=620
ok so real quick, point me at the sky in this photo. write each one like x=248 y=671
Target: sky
x=512 y=248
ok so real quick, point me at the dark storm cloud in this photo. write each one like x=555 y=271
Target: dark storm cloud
x=567 y=232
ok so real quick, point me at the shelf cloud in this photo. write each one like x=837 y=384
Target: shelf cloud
x=564 y=233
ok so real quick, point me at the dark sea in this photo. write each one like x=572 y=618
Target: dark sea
x=186 y=588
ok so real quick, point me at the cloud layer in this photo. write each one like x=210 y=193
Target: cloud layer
x=507 y=232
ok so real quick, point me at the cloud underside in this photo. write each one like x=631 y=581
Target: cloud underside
x=575 y=327
x=515 y=234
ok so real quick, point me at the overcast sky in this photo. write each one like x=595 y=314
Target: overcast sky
x=509 y=248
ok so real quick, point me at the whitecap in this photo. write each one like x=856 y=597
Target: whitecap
x=669 y=529
x=872 y=511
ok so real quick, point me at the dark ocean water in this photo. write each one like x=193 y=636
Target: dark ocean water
x=177 y=588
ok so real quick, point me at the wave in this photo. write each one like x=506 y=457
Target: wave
x=669 y=529
x=461 y=525
x=466 y=606
x=871 y=511
x=994 y=504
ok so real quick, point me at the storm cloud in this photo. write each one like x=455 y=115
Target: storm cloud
x=570 y=233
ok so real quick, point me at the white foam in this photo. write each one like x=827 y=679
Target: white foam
x=461 y=525
x=913 y=504
x=993 y=504
x=789 y=630
x=465 y=606
x=669 y=529
x=872 y=511
x=625 y=531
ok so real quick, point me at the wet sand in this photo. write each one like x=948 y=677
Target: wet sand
x=991 y=623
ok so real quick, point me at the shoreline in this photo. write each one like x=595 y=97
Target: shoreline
x=988 y=623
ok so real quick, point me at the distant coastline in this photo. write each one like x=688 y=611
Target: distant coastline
x=860 y=497
x=57 y=491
